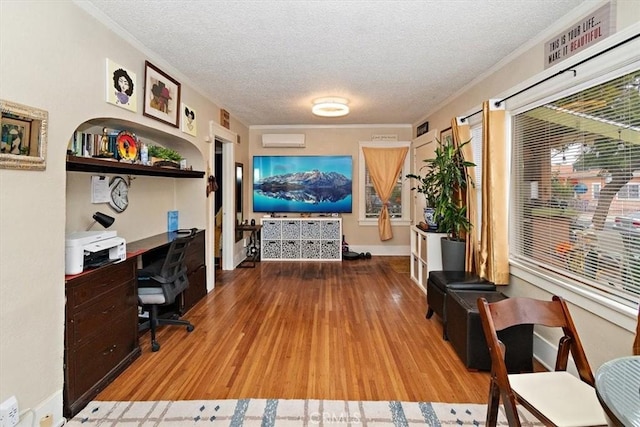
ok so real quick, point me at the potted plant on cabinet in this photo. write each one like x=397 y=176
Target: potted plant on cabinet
x=426 y=186
x=443 y=185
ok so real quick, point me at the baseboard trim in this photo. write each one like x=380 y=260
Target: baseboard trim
x=545 y=353
x=382 y=250
x=50 y=407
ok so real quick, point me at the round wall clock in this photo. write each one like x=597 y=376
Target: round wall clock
x=119 y=194
x=127 y=146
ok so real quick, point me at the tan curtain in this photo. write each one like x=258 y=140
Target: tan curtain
x=384 y=166
x=462 y=133
x=494 y=244
x=636 y=342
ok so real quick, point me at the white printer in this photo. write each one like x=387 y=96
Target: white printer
x=86 y=249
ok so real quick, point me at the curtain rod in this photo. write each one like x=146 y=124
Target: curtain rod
x=570 y=68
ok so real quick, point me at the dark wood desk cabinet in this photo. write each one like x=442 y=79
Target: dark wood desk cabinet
x=101 y=333
x=101 y=326
x=196 y=271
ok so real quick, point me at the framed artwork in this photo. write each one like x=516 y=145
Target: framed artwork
x=422 y=129
x=161 y=95
x=23 y=136
x=15 y=136
x=121 y=87
x=446 y=136
x=224 y=118
x=188 y=119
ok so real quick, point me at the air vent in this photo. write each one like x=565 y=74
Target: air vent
x=283 y=140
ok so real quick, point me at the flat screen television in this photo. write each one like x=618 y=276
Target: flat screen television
x=302 y=184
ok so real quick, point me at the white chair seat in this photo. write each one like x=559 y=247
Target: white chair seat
x=151 y=296
x=561 y=397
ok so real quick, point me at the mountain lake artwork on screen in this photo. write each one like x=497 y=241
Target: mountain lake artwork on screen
x=302 y=184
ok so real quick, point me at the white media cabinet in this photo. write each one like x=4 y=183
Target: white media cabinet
x=426 y=255
x=301 y=239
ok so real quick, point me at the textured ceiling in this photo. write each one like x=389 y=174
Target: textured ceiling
x=265 y=61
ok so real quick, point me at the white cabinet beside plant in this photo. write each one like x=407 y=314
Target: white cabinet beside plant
x=425 y=255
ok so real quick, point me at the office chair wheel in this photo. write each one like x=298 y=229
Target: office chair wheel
x=368 y=255
x=155 y=346
x=190 y=328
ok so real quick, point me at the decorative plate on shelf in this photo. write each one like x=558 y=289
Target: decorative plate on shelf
x=127 y=146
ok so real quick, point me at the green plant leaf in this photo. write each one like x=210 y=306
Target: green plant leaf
x=444 y=176
x=164 y=153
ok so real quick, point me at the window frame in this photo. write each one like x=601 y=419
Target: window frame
x=607 y=66
x=406 y=189
x=627 y=194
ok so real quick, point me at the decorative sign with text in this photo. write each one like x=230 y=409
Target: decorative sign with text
x=385 y=138
x=584 y=33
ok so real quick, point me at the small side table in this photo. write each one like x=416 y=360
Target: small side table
x=253 y=252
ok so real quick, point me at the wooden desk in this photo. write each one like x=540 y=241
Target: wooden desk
x=617 y=384
x=101 y=324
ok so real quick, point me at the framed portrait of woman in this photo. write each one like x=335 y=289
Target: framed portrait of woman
x=121 y=86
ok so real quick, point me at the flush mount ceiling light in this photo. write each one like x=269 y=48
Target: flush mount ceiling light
x=330 y=107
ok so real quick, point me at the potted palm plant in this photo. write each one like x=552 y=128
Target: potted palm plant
x=443 y=185
x=426 y=186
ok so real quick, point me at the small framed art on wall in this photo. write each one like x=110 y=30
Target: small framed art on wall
x=161 y=95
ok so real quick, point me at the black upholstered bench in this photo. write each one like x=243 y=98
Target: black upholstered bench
x=440 y=282
x=464 y=329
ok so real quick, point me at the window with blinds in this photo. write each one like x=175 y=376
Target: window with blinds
x=372 y=202
x=576 y=169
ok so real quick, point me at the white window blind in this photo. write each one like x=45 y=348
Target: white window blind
x=576 y=168
x=476 y=145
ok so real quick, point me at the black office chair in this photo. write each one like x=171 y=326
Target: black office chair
x=159 y=284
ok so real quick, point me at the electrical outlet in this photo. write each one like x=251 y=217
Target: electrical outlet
x=9 y=414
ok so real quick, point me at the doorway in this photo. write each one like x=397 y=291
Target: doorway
x=224 y=172
x=217 y=203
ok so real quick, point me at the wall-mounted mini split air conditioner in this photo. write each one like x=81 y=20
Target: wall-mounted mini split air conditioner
x=283 y=140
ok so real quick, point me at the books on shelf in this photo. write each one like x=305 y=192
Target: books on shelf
x=86 y=144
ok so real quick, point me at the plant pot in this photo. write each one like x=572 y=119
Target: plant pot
x=453 y=254
x=430 y=219
x=163 y=163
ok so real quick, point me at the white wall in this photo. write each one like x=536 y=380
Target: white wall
x=606 y=333
x=53 y=58
x=341 y=140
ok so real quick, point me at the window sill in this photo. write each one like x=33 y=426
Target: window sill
x=373 y=222
x=617 y=313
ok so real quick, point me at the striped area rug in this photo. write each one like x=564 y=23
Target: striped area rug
x=284 y=413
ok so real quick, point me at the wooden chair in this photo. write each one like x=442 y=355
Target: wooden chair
x=557 y=398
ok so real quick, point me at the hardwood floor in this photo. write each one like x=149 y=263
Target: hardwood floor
x=352 y=330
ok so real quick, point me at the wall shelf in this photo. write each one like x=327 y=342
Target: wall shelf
x=95 y=165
